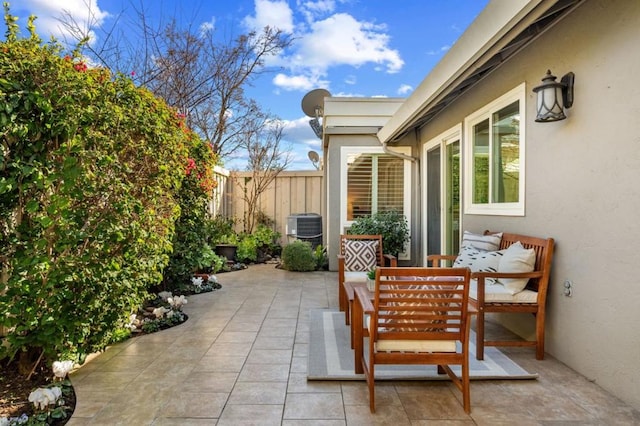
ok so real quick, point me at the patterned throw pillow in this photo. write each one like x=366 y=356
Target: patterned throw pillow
x=479 y=261
x=489 y=242
x=360 y=255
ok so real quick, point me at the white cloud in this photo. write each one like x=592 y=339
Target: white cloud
x=442 y=49
x=404 y=89
x=298 y=82
x=85 y=13
x=351 y=79
x=274 y=14
x=313 y=9
x=207 y=27
x=342 y=40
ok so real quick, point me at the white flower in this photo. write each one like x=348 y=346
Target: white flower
x=177 y=302
x=62 y=368
x=197 y=281
x=164 y=295
x=42 y=397
x=170 y=314
x=159 y=312
x=212 y=279
x=133 y=319
x=4 y=421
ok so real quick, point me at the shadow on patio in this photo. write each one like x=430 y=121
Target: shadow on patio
x=241 y=358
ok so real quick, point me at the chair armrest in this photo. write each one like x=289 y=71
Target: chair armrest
x=437 y=260
x=391 y=260
x=483 y=275
x=365 y=299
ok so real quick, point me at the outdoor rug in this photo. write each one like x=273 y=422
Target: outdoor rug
x=331 y=357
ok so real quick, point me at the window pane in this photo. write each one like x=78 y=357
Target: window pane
x=390 y=172
x=359 y=185
x=506 y=154
x=453 y=198
x=481 y=162
x=375 y=183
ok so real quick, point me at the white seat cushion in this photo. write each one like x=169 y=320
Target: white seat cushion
x=416 y=346
x=355 y=276
x=497 y=293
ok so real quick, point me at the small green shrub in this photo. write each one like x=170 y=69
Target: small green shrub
x=298 y=256
x=247 y=249
x=218 y=228
x=218 y=263
x=391 y=225
x=322 y=261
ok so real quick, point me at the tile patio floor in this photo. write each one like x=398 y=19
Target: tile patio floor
x=241 y=359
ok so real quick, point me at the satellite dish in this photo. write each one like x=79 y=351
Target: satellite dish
x=315 y=159
x=313 y=102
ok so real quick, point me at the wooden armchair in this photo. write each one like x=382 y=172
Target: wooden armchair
x=358 y=255
x=533 y=299
x=419 y=322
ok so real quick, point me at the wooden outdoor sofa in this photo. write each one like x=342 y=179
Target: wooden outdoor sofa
x=531 y=300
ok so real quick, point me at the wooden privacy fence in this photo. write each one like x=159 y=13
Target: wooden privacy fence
x=292 y=192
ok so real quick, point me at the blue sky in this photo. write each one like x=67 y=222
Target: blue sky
x=349 y=47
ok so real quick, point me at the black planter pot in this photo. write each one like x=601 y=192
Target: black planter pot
x=227 y=250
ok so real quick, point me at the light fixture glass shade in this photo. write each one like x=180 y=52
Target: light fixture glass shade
x=549 y=101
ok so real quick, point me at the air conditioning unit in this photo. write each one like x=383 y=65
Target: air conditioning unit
x=306 y=227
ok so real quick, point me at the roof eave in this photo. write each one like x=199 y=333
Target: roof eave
x=487 y=34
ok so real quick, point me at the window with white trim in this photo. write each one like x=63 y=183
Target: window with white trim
x=494 y=157
x=373 y=181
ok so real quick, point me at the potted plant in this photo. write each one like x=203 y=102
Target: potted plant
x=371 y=280
x=391 y=225
x=227 y=246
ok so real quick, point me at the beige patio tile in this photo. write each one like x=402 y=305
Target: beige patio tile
x=235 y=349
x=194 y=404
x=208 y=382
x=269 y=356
x=357 y=393
x=431 y=400
x=236 y=337
x=239 y=415
x=264 y=373
x=220 y=363
x=314 y=406
x=258 y=393
x=384 y=415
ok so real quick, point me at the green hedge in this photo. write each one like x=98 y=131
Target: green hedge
x=90 y=167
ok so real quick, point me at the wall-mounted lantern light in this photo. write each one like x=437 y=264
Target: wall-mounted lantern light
x=553 y=96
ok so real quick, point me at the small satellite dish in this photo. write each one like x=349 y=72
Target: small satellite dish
x=313 y=102
x=315 y=159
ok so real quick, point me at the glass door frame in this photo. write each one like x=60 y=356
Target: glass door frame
x=441 y=142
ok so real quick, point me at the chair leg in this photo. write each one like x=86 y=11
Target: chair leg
x=342 y=296
x=372 y=388
x=480 y=334
x=539 y=336
x=466 y=391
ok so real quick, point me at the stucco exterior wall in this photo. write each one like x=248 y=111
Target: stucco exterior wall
x=582 y=178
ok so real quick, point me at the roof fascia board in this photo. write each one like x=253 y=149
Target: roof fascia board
x=484 y=37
